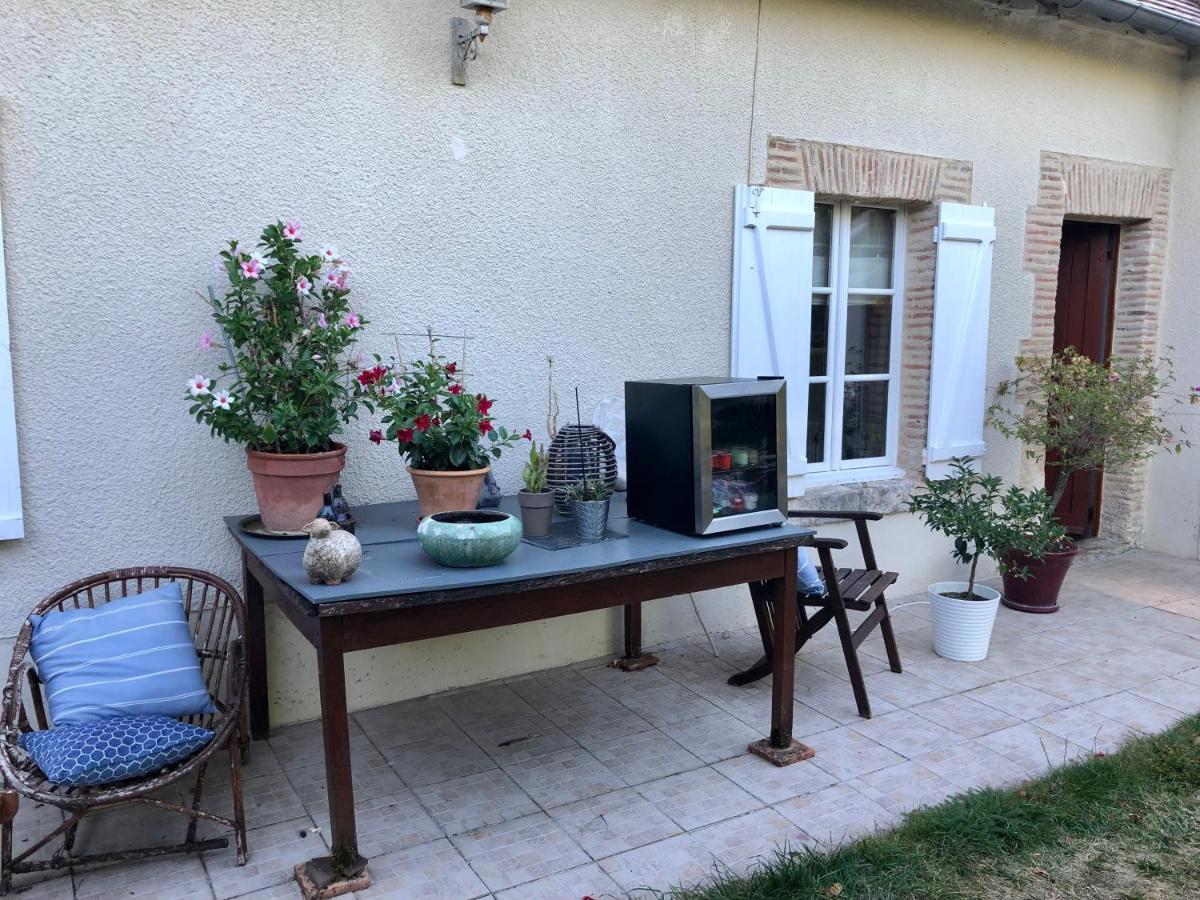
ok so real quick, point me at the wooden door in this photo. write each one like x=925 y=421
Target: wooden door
x=1083 y=316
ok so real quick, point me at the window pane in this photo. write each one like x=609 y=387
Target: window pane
x=868 y=335
x=818 y=350
x=872 y=239
x=821 y=245
x=864 y=419
x=815 y=451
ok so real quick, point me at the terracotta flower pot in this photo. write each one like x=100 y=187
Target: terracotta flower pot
x=289 y=486
x=1039 y=592
x=447 y=491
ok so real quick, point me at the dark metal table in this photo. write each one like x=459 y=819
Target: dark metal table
x=399 y=595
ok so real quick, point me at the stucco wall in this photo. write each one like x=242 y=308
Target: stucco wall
x=1173 y=497
x=575 y=200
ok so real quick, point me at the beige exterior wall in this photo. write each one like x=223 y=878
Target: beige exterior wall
x=1173 y=497
x=574 y=199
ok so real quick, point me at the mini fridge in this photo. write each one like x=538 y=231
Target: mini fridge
x=707 y=455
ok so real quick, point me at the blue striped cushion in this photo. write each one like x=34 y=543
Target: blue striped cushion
x=132 y=656
x=113 y=749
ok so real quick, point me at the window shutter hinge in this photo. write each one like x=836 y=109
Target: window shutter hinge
x=752 y=207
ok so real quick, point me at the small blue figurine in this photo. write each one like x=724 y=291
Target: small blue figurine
x=489 y=494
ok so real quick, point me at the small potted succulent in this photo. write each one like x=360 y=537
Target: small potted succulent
x=1084 y=416
x=537 y=501
x=983 y=521
x=590 y=499
x=445 y=432
x=287 y=387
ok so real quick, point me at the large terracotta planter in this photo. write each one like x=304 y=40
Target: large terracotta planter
x=447 y=491
x=1039 y=592
x=289 y=485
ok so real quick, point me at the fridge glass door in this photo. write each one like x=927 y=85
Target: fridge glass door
x=745 y=451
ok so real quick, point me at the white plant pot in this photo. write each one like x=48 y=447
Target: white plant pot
x=962 y=629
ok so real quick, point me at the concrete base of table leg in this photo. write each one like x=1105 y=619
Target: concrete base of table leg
x=635 y=663
x=782 y=756
x=319 y=881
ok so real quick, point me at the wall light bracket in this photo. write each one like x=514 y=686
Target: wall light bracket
x=466 y=35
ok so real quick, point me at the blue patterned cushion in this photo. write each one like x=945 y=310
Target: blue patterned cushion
x=133 y=656
x=112 y=749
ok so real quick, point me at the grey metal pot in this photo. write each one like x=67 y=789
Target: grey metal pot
x=591 y=518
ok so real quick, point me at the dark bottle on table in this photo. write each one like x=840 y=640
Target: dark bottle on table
x=341 y=511
x=328 y=513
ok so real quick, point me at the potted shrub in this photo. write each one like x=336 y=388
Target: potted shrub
x=590 y=499
x=537 y=501
x=445 y=432
x=1083 y=416
x=1032 y=550
x=964 y=507
x=287 y=388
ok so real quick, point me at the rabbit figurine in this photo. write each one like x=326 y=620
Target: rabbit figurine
x=332 y=555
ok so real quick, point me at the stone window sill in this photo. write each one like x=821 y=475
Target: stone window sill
x=884 y=496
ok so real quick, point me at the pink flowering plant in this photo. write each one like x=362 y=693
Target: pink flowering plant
x=436 y=423
x=288 y=385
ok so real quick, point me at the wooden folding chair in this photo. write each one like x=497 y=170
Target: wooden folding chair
x=857 y=589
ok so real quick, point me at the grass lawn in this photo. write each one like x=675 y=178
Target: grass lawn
x=1124 y=826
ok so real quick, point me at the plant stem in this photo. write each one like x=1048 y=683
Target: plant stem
x=1060 y=488
x=971 y=577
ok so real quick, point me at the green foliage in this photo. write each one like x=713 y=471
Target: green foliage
x=288 y=327
x=985 y=520
x=536 y=470
x=589 y=489
x=1026 y=528
x=963 y=507
x=435 y=422
x=1083 y=414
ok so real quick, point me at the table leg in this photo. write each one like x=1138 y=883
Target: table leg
x=634 y=658
x=781 y=749
x=345 y=870
x=256 y=651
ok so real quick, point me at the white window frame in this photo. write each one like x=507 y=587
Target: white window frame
x=834 y=470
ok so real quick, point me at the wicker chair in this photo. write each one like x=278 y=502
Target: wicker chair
x=216 y=617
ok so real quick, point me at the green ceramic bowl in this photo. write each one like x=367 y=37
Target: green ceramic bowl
x=469 y=538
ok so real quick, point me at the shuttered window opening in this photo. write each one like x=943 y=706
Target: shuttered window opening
x=818 y=299
x=853 y=378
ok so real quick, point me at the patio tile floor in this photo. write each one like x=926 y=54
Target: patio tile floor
x=584 y=780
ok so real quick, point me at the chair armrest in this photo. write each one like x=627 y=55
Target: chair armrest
x=856 y=515
x=14 y=721
x=829 y=543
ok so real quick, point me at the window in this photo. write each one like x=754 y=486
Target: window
x=854 y=356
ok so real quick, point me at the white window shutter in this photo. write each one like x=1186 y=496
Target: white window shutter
x=11 y=523
x=962 y=294
x=772 y=300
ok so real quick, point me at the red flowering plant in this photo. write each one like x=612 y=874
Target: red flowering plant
x=436 y=423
